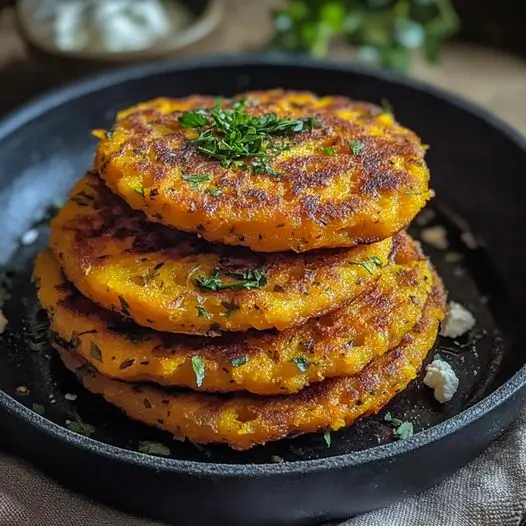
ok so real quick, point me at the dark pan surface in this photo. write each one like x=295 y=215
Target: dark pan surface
x=478 y=171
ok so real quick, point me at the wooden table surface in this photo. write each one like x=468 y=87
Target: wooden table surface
x=494 y=79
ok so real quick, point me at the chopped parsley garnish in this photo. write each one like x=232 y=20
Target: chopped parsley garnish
x=198 y=365
x=327 y=437
x=197 y=179
x=153 y=448
x=246 y=280
x=402 y=429
x=328 y=150
x=368 y=264
x=302 y=363
x=194 y=119
x=80 y=427
x=241 y=360
x=95 y=352
x=215 y=192
x=202 y=312
x=357 y=147
x=229 y=135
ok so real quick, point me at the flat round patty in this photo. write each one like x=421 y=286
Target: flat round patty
x=243 y=421
x=282 y=171
x=173 y=281
x=341 y=343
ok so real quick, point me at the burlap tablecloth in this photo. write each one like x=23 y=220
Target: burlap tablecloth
x=491 y=491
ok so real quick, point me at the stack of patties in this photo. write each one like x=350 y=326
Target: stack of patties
x=236 y=270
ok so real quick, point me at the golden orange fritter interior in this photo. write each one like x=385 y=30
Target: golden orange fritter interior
x=172 y=281
x=243 y=421
x=270 y=170
x=341 y=343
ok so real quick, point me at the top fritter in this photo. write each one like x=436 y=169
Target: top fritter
x=271 y=170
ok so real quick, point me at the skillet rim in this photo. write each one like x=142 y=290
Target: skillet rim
x=48 y=101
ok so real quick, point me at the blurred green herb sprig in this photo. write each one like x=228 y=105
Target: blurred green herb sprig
x=382 y=31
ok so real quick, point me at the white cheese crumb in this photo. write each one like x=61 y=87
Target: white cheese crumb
x=441 y=377
x=436 y=236
x=3 y=322
x=70 y=396
x=458 y=321
x=29 y=237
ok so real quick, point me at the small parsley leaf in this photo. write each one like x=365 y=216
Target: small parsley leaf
x=81 y=428
x=153 y=448
x=402 y=430
x=327 y=437
x=357 y=147
x=196 y=179
x=193 y=119
x=95 y=352
x=202 y=312
x=302 y=363
x=247 y=280
x=241 y=360
x=198 y=365
x=215 y=192
x=368 y=264
x=328 y=150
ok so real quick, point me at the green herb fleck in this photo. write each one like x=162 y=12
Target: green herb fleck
x=198 y=365
x=328 y=150
x=95 y=352
x=196 y=180
x=402 y=429
x=80 y=427
x=368 y=264
x=109 y=134
x=231 y=134
x=138 y=189
x=153 y=448
x=38 y=408
x=357 y=147
x=247 y=280
x=215 y=192
x=230 y=308
x=202 y=312
x=327 y=437
x=241 y=360
x=193 y=119
x=405 y=430
x=302 y=363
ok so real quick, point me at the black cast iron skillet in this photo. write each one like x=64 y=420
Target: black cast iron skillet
x=478 y=166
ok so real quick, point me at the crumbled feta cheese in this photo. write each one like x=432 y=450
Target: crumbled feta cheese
x=441 y=377
x=70 y=396
x=458 y=321
x=3 y=322
x=29 y=237
x=436 y=236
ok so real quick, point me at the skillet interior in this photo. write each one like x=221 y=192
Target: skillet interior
x=42 y=158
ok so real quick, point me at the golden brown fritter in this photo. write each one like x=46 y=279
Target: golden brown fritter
x=341 y=343
x=243 y=421
x=333 y=172
x=172 y=281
